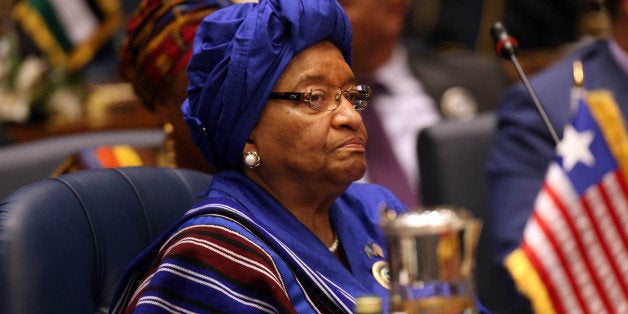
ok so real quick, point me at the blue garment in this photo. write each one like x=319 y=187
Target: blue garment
x=522 y=151
x=313 y=278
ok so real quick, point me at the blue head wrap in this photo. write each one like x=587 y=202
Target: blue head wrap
x=239 y=53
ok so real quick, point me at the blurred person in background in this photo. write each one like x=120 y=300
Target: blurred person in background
x=548 y=30
x=524 y=147
x=412 y=90
x=545 y=29
x=154 y=58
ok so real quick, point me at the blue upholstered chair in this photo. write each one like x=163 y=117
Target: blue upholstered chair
x=65 y=242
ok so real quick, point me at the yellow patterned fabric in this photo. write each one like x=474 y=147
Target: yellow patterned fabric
x=159 y=42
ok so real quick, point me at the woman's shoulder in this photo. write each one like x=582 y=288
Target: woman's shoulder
x=213 y=228
x=216 y=255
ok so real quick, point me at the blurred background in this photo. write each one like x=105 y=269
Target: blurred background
x=58 y=69
x=59 y=59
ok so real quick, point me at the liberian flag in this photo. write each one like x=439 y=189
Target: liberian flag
x=69 y=32
x=573 y=257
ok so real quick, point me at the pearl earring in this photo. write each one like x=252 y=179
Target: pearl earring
x=252 y=159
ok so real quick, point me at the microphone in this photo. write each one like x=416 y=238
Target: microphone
x=506 y=46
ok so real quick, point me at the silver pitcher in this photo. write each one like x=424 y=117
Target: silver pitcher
x=431 y=257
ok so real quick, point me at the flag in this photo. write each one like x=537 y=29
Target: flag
x=68 y=32
x=573 y=257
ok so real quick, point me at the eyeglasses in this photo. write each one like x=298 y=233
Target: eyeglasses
x=327 y=97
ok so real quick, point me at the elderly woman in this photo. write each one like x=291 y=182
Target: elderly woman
x=273 y=106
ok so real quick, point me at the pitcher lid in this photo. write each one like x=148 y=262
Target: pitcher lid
x=424 y=221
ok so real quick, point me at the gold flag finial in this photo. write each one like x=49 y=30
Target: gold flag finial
x=577 y=91
x=578 y=73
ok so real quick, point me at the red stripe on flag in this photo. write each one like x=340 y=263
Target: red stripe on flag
x=617 y=175
x=603 y=242
x=561 y=257
x=613 y=209
x=581 y=247
x=549 y=284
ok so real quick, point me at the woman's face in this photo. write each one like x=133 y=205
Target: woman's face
x=296 y=141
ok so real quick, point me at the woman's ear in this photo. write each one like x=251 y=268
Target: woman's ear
x=249 y=145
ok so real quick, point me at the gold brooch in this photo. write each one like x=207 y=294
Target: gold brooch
x=381 y=272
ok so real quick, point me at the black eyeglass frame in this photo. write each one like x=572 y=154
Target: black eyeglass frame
x=364 y=91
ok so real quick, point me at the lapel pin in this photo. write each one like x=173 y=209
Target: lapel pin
x=374 y=250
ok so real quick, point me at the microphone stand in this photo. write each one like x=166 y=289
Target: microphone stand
x=506 y=46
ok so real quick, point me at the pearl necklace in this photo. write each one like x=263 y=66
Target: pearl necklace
x=334 y=245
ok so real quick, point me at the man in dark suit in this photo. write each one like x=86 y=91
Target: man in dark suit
x=413 y=89
x=524 y=147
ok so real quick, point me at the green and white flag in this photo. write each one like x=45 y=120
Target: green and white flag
x=68 y=32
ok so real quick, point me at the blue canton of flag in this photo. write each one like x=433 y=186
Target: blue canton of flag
x=583 y=152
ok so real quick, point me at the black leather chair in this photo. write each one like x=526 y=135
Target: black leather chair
x=452 y=160
x=452 y=155
x=66 y=242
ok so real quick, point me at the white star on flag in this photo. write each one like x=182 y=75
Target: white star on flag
x=574 y=148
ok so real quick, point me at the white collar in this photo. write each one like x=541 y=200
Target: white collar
x=395 y=74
